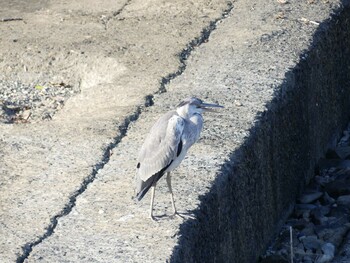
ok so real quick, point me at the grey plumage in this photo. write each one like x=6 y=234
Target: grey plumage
x=167 y=144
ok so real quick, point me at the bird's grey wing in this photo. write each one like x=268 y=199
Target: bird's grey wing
x=161 y=146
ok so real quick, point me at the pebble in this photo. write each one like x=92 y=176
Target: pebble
x=340 y=186
x=328 y=250
x=308 y=198
x=21 y=103
x=343 y=152
x=344 y=200
x=327 y=199
x=311 y=242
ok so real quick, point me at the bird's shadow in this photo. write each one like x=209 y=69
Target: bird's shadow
x=187 y=215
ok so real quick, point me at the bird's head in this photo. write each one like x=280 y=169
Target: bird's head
x=190 y=106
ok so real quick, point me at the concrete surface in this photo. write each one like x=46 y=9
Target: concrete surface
x=118 y=54
x=282 y=79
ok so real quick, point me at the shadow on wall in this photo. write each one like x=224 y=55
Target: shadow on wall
x=255 y=191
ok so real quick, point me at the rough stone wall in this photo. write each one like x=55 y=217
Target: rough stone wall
x=257 y=187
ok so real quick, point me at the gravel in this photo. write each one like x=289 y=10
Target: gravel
x=23 y=103
x=320 y=221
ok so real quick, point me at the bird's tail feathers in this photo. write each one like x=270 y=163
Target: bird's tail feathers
x=142 y=193
x=145 y=186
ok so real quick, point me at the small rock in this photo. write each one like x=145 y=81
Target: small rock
x=333 y=235
x=339 y=212
x=26 y=114
x=324 y=210
x=301 y=209
x=344 y=200
x=309 y=251
x=344 y=254
x=343 y=152
x=323 y=180
x=307 y=259
x=328 y=250
x=308 y=230
x=310 y=197
x=321 y=210
x=341 y=186
x=297 y=223
x=327 y=199
x=312 y=242
x=274 y=259
x=306 y=215
x=333 y=163
x=126 y=218
x=304 y=207
x=238 y=103
x=345 y=139
x=317 y=217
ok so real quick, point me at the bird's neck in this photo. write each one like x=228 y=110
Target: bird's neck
x=196 y=118
x=184 y=113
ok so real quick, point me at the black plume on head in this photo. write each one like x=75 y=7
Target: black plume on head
x=191 y=100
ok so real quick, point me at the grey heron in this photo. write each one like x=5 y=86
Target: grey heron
x=167 y=144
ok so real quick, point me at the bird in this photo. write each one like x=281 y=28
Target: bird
x=166 y=146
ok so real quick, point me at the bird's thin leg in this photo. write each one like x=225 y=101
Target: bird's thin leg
x=183 y=216
x=153 y=190
x=168 y=180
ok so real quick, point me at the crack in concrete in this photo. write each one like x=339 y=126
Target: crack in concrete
x=105 y=19
x=186 y=52
x=27 y=248
x=183 y=56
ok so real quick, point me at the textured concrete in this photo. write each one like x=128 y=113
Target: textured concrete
x=117 y=53
x=284 y=83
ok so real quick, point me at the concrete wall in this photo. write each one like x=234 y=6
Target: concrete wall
x=257 y=187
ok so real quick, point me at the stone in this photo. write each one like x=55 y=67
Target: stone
x=333 y=163
x=310 y=197
x=302 y=210
x=344 y=200
x=343 y=254
x=322 y=180
x=345 y=139
x=274 y=259
x=297 y=223
x=338 y=212
x=308 y=230
x=333 y=235
x=26 y=114
x=312 y=242
x=307 y=259
x=320 y=211
x=328 y=250
x=340 y=186
x=343 y=152
x=327 y=199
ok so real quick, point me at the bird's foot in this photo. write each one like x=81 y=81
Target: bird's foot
x=183 y=216
x=153 y=218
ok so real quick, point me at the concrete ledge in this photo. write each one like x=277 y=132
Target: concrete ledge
x=256 y=189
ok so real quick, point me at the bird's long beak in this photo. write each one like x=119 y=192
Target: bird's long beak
x=209 y=107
